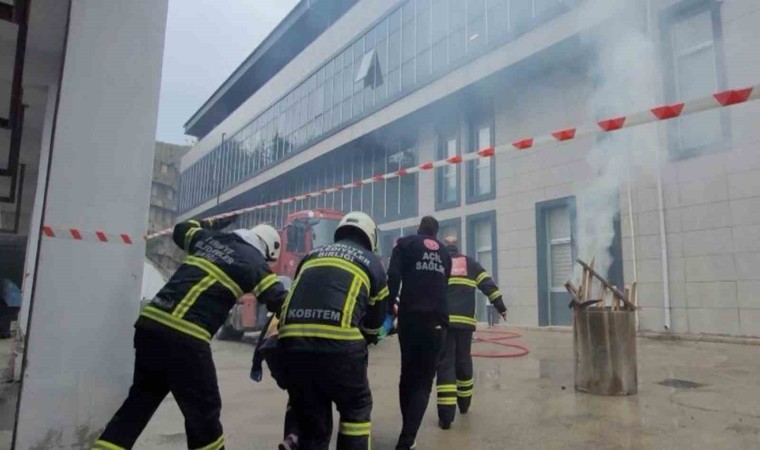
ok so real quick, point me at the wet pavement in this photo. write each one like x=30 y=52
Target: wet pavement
x=525 y=403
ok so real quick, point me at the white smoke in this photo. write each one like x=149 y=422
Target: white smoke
x=624 y=76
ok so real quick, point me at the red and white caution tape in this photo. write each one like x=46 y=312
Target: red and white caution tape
x=652 y=115
x=76 y=234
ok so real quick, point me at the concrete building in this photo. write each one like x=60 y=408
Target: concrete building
x=345 y=90
x=164 y=201
x=79 y=84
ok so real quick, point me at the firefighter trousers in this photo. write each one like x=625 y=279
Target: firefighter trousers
x=455 y=383
x=421 y=341
x=164 y=365
x=317 y=380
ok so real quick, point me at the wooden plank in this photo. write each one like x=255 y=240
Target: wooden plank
x=601 y=279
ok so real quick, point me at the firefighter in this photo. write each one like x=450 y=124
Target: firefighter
x=173 y=332
x=335 y=307
x=419 y=268
x=455 y=383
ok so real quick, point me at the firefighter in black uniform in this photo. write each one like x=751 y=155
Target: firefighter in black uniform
x=336 y=305
x=455 y=383
x=420 y=268
x=173 y=332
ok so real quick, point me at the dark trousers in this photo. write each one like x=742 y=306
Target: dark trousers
x=268 y=351
x=164 y=365
x=317 y=380
x=421 y=341
x=455 y=383
x=291 y=422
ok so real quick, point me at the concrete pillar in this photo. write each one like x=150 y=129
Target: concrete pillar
x=78 y=361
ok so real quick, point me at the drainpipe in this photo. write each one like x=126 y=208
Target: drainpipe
x=663 y=244
x=661 y=214
x=633 y=238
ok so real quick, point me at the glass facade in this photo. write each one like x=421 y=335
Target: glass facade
x=385 y=201
x=417 y=41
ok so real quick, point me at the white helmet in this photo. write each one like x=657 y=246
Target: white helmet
x=271 y=240
x=362 y=222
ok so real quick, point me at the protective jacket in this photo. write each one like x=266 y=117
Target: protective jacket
x=423 y=265
x=336 y=300
x=466 y=276
x=220 y=267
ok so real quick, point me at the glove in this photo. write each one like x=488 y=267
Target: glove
x=375 y=339
x=503 y=315
x=257 y=370
x=388 y=326
x=220 y=224
x=371 y=338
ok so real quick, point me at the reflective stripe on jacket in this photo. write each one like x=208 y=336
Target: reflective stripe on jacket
x=467 y=275
x=338 y=296
x=219 y=268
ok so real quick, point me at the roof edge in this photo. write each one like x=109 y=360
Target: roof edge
x=272 y=37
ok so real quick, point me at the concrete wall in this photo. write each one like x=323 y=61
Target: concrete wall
x=78 y=361
x=711 y=202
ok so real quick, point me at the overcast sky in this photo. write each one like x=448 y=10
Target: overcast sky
x=205 y=41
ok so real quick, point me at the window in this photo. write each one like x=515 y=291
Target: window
x=387 y=240
x=560 y=247
x=481 y=245
x=164 y=168
x=447 y=178
x=481 y=173
x=691 y=44
x=521 y=13
x=498 y=19
x=439 y=33
x=381 y=66
x=400 y=192
x=366 y=71
x=476 y=24
x=408 y=47
x=170 y=194
x=555 y=256
x=423 y=39
x=451 y=228
x=456 y=30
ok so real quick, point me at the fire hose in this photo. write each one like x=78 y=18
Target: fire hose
x=500 y=336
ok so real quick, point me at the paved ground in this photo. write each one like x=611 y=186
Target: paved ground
x=525 y=403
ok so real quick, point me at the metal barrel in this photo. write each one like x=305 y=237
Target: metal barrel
x=605 y=351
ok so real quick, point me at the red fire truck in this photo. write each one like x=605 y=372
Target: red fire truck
x=303 y=231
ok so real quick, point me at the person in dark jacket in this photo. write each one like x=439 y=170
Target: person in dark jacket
x=173 y=332
x=455 y=383
x=419 y=270
x=335 y=307
x=266 y=350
